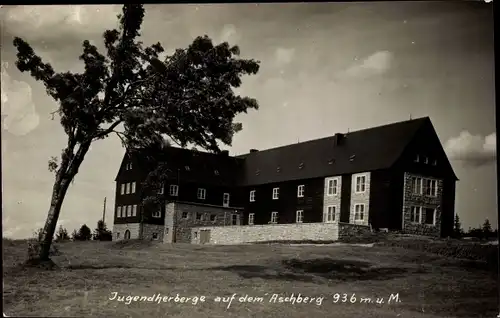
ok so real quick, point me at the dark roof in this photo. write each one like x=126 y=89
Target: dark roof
x=364 y=150
x=194 y=166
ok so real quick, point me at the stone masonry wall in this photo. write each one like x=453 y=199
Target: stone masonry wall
x=360 y=198
x=334 y=200
x=347 y=230
x=119 y=229
x=229 y=235
x=411 y=199
x=223 y=216
x=149 y=229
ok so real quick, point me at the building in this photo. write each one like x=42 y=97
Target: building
x=395 y=177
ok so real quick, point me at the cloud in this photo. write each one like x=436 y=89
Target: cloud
x=375 y=64
x=19 y=116
x=475 y=150
x=229 y=34
x=283 y=56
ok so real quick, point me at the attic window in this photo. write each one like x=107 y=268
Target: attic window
x=278 y=169
x=351 y=158
x=417 y=158
x=128 y=166
x=257 y=172
x=301 y=165
x=435 y=162
x=216 y=172
x=331 y=161
x=426 y=160
x=187 y=168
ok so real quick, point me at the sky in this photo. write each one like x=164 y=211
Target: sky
x=325 y=68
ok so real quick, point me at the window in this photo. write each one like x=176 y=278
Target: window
x=166 y=230
x=278 y=169
x=118 y=211
x=117 y=235
x=195 y=234
x=416 y=184
x=276 y=193
x=123 y=189
x=435 y=162
x=213 y=217
x=430 y=187
x=128 y=166
x=134 y=210
x=199 y=216
x=155 y=236
x=430 y=216
x=174 y=190
x=301 y=165
x=251 y=218
x=225 y=199
x=252 y=196
x=157 y=214
x=274 y=217
x=417 y=158
x=257 y=172
x=415 y=214
x=187 y=168
x=160 y=190
x=123 y=211
x=202 y=193
x=329 y=214
x=184 y=215
x=127 y=188
x=360 y=184
x=332 y=185
x=133 y=187
x=359 y=212
x=299 y=217
x=426 y=160
x=300 y=191
x=234 y=219
x=216 y=172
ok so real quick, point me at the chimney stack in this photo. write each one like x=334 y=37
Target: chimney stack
x=253 y=150
x=225 y=153
x=338 y=139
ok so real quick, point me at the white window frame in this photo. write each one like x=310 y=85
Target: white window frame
x=299 y=216
x=362 y=211
x=226 y=199
x=417 y=158
x=173 y=190
x=202 y=193
x=118 y=211
x=251 y=218
x=161 y=190
x=360 y=185
x=127 y=188
x=417 y=184
x=332 y=185
x=330 y=210
x=215 y=218
x=156 y=214
x=182 y=215
x=201 y=216
x=300 y=191
x=418 y=209
x=122 y=188
x=252 y=196
x=426 y=160
x=274 y=217
x=134 y=210
x=129 y=211
x=434 y=212
x=433 y=187
x=132 y=190
x=276 y=193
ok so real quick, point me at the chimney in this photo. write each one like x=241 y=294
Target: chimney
x=338 y=139
x=225 y=153
x=253 y=150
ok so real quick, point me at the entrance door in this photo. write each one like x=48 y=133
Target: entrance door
x=234 y=219
x=204 y=236
x=127 y=235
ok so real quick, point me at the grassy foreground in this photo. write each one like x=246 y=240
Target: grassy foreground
x=426 y=285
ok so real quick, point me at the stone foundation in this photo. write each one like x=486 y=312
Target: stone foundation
x=119 y=231
x=228 y=235
x=347 y=230
x=148 y=231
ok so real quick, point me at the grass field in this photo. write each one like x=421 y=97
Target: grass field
x=427 y=285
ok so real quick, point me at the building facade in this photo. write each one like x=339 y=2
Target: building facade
x=395 y=177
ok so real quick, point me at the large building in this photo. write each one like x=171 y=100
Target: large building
x=395 y=177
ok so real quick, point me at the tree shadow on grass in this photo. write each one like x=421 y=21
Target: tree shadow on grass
x=311 y=269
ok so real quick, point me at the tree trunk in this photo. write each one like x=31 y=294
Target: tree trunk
x=66 y=173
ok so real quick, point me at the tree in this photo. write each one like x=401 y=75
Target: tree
x=129 y=92
x=83 y=234
x=101 y=233
x=457 y=227
x=487 y=229
x=74 y=235
x=62 y=234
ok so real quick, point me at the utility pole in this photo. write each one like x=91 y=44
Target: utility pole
x=104 y=211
